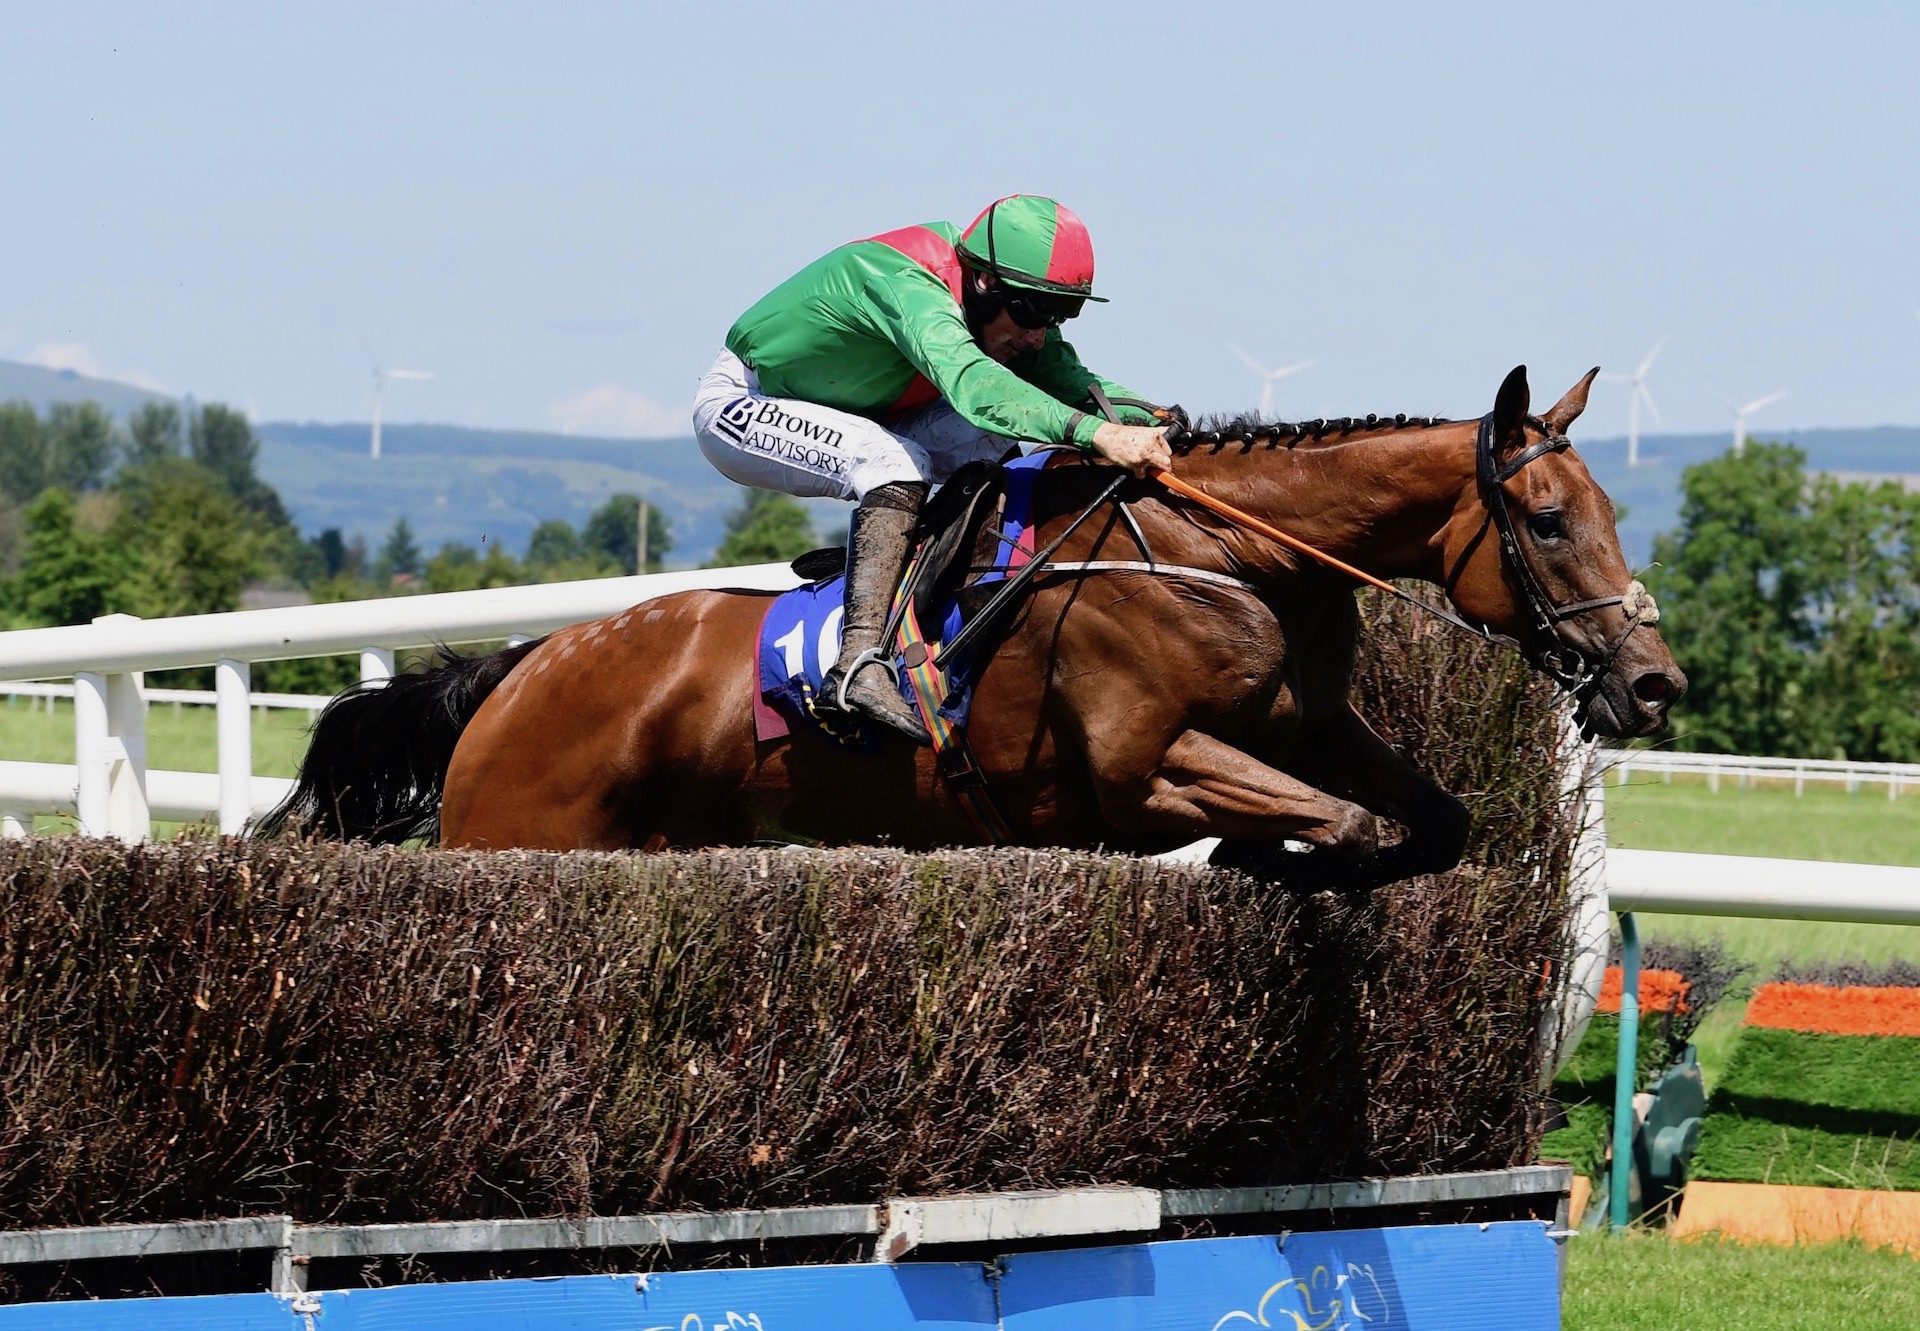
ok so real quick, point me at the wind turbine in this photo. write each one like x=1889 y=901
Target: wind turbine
x=1638 y=394
x=1268 y=378
x=1740 y=415
x=380 y=378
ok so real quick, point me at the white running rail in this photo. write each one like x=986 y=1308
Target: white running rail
x=109 y=787
x=1673 y=882
x=1744 y=769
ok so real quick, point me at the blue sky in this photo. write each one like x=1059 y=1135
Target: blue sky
x=558 y=209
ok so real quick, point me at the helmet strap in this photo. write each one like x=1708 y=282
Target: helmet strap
x=981 y=299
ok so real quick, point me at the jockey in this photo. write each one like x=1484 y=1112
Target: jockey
x=888 y=364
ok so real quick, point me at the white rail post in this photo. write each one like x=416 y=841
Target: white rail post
x=376 y=663
x=233 y=722
x=89 y=751
x=110 y=750
x=129 y=815
x=14 y=824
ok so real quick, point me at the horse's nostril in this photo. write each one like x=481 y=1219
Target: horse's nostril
x=1653 y=689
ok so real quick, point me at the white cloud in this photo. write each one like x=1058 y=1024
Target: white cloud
x=67 y=356
x=79 y=358
x=612 y=410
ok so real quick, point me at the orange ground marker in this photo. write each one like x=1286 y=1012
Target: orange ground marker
x=1660 y=991
x=1834 y=1010
x=1789 y=1214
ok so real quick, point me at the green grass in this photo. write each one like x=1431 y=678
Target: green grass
x=1760 y=1150
x=1649 y=1280
x=1583 y=1142
x=1825 y=823
x=181 y=741
x=1878 y=1074
x=1821 y=1110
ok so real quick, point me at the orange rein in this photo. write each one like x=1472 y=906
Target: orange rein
x=1245 y=519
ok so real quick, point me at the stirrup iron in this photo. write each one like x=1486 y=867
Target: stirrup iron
x=872 y=656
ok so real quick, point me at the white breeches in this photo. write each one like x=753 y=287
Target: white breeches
x=805 y=449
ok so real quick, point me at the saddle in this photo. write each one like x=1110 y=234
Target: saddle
x=948 y=533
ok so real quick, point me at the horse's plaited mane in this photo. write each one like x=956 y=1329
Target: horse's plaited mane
x=1249 y=431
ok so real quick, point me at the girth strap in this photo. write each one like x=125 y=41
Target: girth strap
x=1142 y=566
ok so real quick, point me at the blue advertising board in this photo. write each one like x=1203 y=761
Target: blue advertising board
x=1496 y=1277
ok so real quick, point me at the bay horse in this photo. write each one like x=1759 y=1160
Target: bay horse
x=1125 y=709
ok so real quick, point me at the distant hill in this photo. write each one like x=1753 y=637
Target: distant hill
x=457 y=484
x=43 y=387
x=1650 y=493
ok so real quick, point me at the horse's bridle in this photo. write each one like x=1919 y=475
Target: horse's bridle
x=1562 y=661
x=1565 y=663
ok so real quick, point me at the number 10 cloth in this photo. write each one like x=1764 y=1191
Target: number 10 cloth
x=799 y=642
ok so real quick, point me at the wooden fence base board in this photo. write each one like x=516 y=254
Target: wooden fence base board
x=1792 y=1214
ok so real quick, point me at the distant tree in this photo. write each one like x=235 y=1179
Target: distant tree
x=400 y=554
x=13 y=532
x=193 y=546
x=499 y=569
x=1731 y=581
x=68 y=575
x=1794 y=608
x=332 y=549
x=1863 y=566
x=461 y=568
x=553 y=542
x=766 y=528
x=23 y=453
x=153 y=434
x=355 y=566
x=455 y=567
x=614 y=530
x=80 y=445
x=222 y=441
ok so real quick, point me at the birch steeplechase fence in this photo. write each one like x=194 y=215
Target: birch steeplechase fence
x=1452 y=1234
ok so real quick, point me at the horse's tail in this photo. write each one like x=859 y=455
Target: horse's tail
x=380 y=751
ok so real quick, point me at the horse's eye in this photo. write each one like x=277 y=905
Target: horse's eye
x=1547 y=526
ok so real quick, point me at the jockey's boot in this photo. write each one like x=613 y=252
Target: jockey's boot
x=862 y=681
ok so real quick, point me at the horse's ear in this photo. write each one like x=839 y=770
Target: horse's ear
x=1510 y=411
x=1567 y=410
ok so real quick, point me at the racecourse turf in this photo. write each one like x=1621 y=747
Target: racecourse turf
x=1819 y=1110
x=1648 y=1280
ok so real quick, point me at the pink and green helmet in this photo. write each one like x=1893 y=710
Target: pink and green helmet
x=1030 y=241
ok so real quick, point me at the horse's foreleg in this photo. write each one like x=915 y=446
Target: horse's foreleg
x=1347 y=757
x=1202 y=787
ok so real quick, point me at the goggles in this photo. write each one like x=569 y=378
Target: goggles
x=1038 y=309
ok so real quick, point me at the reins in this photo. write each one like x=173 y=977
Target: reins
x=1241 y=517
x=1563 y=662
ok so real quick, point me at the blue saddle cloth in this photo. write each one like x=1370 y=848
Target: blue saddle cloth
x=800 y=641
x=800 y=635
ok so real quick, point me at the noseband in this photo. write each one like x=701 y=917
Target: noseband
x=1563 y=661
